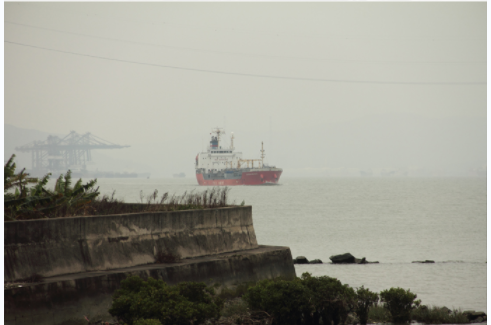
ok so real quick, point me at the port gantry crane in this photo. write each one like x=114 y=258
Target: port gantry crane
x=70 y=152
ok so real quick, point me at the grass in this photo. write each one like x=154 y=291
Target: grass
x=438 y=315
x=207 y=199
x=422 y=314
x=106 y=205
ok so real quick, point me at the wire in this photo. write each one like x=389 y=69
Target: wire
x=237 y=53
x=250 y=74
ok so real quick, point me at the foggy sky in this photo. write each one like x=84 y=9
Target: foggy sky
x=326 y=86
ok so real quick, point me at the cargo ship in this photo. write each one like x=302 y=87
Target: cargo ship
x=223 y=166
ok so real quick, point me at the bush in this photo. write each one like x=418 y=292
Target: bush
x=22 y=202
x=365 y=299
x=285 y=301
x=237 y=307
x=378 y=314
x=330 y=299
x=399 y=303
x=139 y=300
x=438 y=315
x=236 y=291
x=304 y=300
x=28 y=198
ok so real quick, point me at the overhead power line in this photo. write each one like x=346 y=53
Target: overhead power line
x=264 y=56
x=250 y=74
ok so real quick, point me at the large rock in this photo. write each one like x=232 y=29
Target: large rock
x=316 y=261
x=301 y=260
x=343 y=258
x=477 y=320
x=349 y=259
x=473 y=315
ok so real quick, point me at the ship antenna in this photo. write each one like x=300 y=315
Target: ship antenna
x=232 y=141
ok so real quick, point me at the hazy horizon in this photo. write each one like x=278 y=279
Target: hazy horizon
x=331 y=88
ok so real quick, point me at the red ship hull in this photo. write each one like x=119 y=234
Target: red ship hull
x=259 y=177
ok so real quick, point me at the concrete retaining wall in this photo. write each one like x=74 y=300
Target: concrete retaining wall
x=53 y=247
x=67 y=299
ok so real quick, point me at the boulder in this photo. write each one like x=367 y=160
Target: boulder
x=349 y=259
x=477 y=320
x=427 y=261
x=317 y=261
x=343 y=258
x=474 y=315
x=301 y=260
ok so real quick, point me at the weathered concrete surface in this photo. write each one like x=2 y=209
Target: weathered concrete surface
x=52 y=247
x=66 y=299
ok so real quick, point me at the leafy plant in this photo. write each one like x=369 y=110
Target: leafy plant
x=235 y=308
x=185 y=303
x=378 y=314
x=285 y=301
x=28 y=198
x=38 y=202
x=236 y=291
x=364 y=300
x=399 y=303
x=330 y=299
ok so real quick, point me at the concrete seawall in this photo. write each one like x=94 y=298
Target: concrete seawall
x=51 y=247
x=83 y=260
x=67 y=299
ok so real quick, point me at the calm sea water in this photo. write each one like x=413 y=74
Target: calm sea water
x=391 y=220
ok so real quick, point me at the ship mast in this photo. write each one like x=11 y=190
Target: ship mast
x=218 y=131
x=262 y=154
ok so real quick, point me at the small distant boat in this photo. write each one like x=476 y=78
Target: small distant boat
x=180 y=175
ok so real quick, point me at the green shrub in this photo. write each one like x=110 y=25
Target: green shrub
x=286 y=301
x=378 y=314
x=365 y=299
x=304 y=300
x=236 y=291
x=438 y=315
x=153 y=299
x=235 y=308
x=22 y=202
x=28 y=198
x=399 y=303
x=330 y=299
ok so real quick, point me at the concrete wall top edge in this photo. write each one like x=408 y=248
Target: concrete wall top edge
x=129 y=214
x=75 y=228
